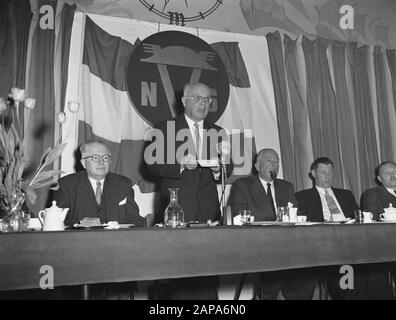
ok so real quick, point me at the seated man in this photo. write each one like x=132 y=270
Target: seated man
x=326 y=203
x=262 y=193
x=375 y=200
x=96 y=192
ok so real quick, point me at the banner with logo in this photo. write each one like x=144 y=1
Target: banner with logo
x=128 y=74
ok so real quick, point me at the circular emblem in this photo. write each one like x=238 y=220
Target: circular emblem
x=162 y=64
x=181 y=11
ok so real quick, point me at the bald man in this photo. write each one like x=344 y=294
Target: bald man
x=179 y=164
x=197 y=185
x=254 y=192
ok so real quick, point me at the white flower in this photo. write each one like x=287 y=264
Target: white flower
x=18 y=94
x=61 y=117
x=30 y=103
x=73 y=106
x=3 y=105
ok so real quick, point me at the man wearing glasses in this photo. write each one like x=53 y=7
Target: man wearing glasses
x=96 y=192
x=196 y=182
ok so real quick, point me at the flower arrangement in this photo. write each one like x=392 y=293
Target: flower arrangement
x=14 y=186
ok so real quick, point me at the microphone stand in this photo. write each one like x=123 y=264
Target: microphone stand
x=223 y=186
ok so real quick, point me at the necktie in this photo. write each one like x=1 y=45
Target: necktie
x=98 y=192
x=270 y=199
x=331 y=204
x=197 y=139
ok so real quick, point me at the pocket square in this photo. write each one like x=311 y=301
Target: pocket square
x=122 y=202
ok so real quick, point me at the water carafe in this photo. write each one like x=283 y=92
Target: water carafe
x=174 y=215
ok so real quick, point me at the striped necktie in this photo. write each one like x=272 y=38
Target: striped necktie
x=333 y=208
x=98 y=193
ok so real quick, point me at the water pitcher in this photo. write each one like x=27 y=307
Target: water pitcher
x=174 y=215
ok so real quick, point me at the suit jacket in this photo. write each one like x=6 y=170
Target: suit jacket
x=118 y=202
x=249 y=193
x=376 y=199
x=309 y=203
x=197 y=188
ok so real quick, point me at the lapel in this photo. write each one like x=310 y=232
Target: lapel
x=386 y=196
x=85 y=189
x=279 y=193
x=109 y=192
x=316 y=203
x=259 y=194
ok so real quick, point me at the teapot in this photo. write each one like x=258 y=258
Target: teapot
x=53 y=218
x=390 y=209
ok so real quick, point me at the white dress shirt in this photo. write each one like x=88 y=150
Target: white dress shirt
x=325 y=207
x=264 y=183
x=191 y=125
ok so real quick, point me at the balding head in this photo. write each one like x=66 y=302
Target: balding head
x=267 y=164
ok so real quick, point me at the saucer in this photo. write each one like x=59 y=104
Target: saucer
x=388 y=220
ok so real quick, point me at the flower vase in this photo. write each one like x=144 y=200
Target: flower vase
x=16 y=219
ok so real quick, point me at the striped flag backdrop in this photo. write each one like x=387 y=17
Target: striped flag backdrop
x=99 y=52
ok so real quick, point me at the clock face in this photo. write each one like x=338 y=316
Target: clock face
x=182 y=11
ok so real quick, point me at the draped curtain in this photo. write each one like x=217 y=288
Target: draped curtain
x=333 y=99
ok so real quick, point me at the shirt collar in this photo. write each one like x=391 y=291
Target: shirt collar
x=323 y=190
x=191 y=122
x=93 y=182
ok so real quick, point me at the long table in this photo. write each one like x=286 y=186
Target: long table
x=96 y=256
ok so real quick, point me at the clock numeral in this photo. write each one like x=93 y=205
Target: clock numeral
x=176 y=18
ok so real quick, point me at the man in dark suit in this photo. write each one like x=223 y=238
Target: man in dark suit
x=375 y=200
x=262 y=194
x=176 y=157
x=96 y=192
x=252 y=192
x=326 y=203
x=180 y=165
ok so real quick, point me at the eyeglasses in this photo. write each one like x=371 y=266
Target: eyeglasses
x=200 y=99
x=96 y=157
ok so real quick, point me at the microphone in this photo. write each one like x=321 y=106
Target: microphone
x=223 y=149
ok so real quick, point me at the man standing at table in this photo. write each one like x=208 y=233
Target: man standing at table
x=96 y=192
x=375 y=200
x=197 y=184
x=324 y=203
x=195 y=139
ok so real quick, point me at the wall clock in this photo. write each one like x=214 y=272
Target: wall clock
x=181 y=11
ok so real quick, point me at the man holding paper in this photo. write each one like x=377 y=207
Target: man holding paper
x=189 y=160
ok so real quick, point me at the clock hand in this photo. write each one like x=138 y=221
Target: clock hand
x=166 y=3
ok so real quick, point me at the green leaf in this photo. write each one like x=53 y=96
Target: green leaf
x=44 y=155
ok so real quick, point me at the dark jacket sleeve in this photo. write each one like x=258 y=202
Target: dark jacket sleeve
x=133 y=215
x=156 y=155
x=238 y=200
x=370 y=201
